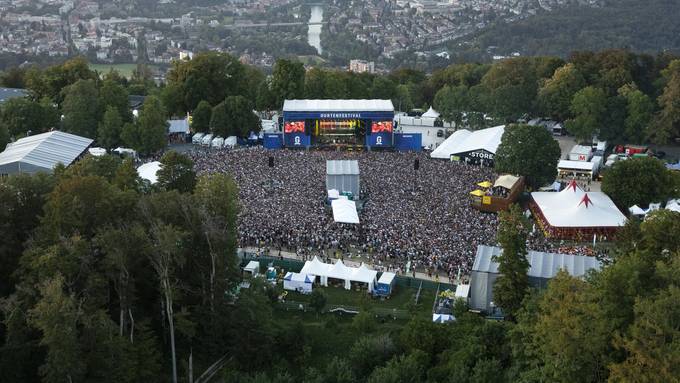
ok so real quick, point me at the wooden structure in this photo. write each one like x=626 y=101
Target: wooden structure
x=504 y=192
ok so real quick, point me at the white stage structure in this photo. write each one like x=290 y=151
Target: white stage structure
x=344 y=211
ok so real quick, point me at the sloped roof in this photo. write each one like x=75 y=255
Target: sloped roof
x=541 y=264
x=463 y=141
x=178 y=126
x=338 y=106
x=506 y=181
x=386 y=278
x=342 y=167
x=576 y=165
x=45 y=150
x=431 y=113
x=572 y=207
x=344 y=211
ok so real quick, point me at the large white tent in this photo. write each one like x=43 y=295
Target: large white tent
x=363 y=274
x=42 y=152
x=572 y=207
x=464 y=141
x=344 y=211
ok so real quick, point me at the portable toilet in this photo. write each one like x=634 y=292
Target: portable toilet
x=385 y=284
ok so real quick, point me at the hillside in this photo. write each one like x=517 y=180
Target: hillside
x=643 y=26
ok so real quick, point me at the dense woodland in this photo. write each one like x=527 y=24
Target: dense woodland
x=105 y=278
x=617 y=95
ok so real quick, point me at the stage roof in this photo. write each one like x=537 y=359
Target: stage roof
x=572 y=207
x=576 y=165
x=541 y=265
x=338 y=106
x=463 y=141
x=342 y=167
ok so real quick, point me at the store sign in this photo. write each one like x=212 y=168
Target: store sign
x=481 y=155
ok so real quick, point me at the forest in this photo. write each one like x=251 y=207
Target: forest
x=108 y=279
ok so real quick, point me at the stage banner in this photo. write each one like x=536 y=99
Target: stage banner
x=272 y=141
x=408 y=142
x=380 y=140
x=297 y=140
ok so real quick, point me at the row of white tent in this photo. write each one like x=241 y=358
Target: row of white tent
x=672 y=205
x=363 y=274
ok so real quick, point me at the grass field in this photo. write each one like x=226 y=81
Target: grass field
x=125 y=70
x=402 y=299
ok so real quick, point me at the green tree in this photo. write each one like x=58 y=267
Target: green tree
x=452 y=103
x=317 y=301
x=264 y=99
x=554 y=97
x=219 y=121
x=113 y=94
x=57 y=316
x=530 y=151
x=640 y=114
x=288 y=80
x=110 y=128
x=402 y=369
x=511 y=87
x=152 y=127
x=177 y=172
x=639 y=181
x=667 y=124
x=4 y=137
x=383 y=88
x=513 y=282
x=200 y=120
x=571 y=334
x=234 y=117
x=315 y=82
x=81 y=108
x=21 y=116
x=588 y=106
x=652 y=342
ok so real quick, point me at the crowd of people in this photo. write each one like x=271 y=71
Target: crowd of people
x=410 y=219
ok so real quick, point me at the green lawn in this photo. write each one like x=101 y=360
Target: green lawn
x=124 y=70
x=401 y=299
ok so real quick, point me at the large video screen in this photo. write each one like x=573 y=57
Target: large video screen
x=381 y=127
x=294 y=127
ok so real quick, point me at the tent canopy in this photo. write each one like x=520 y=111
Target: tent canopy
x=339 y=270
x=42 y=152
x=463 y=141
x=252 y=267
x=477 y=193
x=345 y=211
x=576 y=165
x=485 y=184
x=572 y=207
x=149 y=171
x=431 y=113
x=386 y=278
x=506 y=181
x=462 y=291
x=636 y=210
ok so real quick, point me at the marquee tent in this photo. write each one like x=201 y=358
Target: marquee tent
x=149 y=171
x=363 y=274
x=480 y=144
x=431 y=113
x=42 y=152
x=343 y=175
x=298 y=282
x=442 y=318
x=253 y=267
x=344 y=211
x=573 y=213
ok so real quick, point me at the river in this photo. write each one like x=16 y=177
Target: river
x=314 y=32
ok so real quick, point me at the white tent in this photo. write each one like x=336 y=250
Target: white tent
x=462 y=291
x=42 y=152
x=431 y=113
x=253 y=267
x=97 y=152
x=463 y=141
x=297 y=282
x=636 y=210
x=572 y=207
x=442 y=318
x=230 y=141
x=673 y=205
x=316 y=268
x=345 y=211
x=149 y=171
x=333 y=194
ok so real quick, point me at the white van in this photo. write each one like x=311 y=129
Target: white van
x=217 y=142
x=197 y=138
x=207 y=139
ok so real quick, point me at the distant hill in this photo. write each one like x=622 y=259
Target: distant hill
x=645 y=26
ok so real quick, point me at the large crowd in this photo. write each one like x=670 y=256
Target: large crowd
x=409 y=219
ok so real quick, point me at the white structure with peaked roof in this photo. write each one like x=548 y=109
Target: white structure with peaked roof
x=572 y=213
x=149 y=171
x=344 y=211
x=343 y=176
x=362 y=274
x=42 y=152
x=471 y=146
